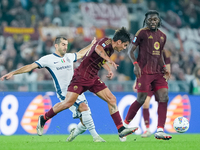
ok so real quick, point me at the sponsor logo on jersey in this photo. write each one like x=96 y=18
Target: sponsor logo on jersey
x=150 y=37
x=104 y=45
x=156 y=45
x=64 y=67
x=38 y=106
x=179 y=106
x=134 y=39
x=55 y=62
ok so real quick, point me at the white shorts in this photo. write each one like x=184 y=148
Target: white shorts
x=74 y=108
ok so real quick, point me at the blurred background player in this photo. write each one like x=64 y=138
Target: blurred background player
x=86 y=78
x=150 y=70
x=60 y=66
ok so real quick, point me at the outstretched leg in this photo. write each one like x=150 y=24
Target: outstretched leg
x=107 y=96
x=135 y=106
x=68 y=102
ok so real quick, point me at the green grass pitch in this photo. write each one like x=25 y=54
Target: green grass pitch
x=85 y=142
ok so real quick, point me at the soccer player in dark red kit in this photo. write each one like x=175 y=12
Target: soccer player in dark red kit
x=86 y=78
x=150 y=70
x=145 y=110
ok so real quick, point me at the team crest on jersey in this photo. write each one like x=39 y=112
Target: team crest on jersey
x=104 y=45
x=75 y=87
x=68 y=60
x=139 y=84
x=156 y=45
x=134 y=39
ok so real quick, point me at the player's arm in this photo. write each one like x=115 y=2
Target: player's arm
x=163 y=65
x=110 y=73
x=83 y=51
x=21 y=70
x=137 y=70
x=100 y=51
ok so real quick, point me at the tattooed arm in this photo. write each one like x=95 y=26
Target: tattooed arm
x=100 y=51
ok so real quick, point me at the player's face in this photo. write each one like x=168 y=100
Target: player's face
x=152 y=21
x=121 y=46
x=62 y=47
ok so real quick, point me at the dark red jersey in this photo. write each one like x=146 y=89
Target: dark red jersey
x=92 y=62
x=151 y=45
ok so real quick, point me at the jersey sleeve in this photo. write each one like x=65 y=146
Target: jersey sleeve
x=42 y=62
x=104 y=42
x=138 y=38
x=165 y=38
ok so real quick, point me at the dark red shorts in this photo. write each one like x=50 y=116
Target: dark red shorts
x=148 y=81
x=79 y=85
x=150 y=93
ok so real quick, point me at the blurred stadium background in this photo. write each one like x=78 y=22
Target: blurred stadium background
x=29 y=27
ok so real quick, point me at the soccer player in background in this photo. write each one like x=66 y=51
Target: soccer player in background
x=86 y=78
x=60 y=66
x=150 y=70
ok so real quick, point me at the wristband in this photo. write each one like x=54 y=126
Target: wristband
x=135 y=62
x=164 y=66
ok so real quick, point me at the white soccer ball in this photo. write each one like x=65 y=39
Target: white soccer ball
x=181 y=124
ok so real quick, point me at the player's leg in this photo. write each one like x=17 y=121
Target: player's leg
x=68 y=102
x=162 y=98
x=160 y=86
x=142 y=86
x=81 y=128
x=145 y=111
x=135 y=106
x=84 y=113
x=107 y=96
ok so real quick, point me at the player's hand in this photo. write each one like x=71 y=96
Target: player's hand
x=167 y=73
x=137 y=70
x=94 y=41
x=7 y=76
x=110 y=75
x=113 y=64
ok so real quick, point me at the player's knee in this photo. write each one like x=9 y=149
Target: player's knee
x=164 y=98
x=83 y=107
x=141 y=97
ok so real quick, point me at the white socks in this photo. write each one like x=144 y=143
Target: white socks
x=160 y=130
x=79 y=129
x=89 y=123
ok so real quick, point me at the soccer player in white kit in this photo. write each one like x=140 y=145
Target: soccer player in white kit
x=60 y=66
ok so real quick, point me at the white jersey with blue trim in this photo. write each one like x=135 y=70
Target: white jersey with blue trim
x=61 y=70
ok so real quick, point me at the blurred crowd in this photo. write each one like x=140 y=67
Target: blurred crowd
x=18 y=50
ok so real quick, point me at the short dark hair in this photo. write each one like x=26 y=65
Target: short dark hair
x=149 y=13
x=122 y=34
x=58 y=39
